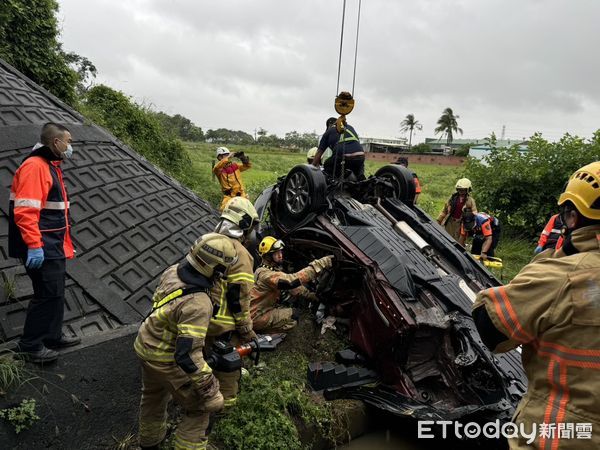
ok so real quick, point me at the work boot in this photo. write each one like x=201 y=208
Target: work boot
x=42 y=356
x=65 y=341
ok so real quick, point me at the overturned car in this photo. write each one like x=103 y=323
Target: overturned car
x=401 y=289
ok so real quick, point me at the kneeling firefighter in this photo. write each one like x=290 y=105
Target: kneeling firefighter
x=271 y=284
x=231 y=322
x=170 y=345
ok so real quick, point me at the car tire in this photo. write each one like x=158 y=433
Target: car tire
x=303 y=191
x=402 y=180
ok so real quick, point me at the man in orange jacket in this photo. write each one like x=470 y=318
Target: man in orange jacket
x=551 y=237
x=39 y=234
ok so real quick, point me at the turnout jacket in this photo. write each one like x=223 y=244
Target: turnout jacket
x=172 y=336
x=39 y=208
x=269 y=284
x=451 y=205
x=231 y=295
x=229 y=175
x=552 y=309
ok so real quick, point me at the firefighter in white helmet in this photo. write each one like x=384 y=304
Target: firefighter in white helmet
x=229 y=174
x=552 y=310
x=272 y=285
x=231 y=320
x=170 y=344
x=451 y=216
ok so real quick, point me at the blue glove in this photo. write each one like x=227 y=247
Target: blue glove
x=538 y=249
x=35 y=258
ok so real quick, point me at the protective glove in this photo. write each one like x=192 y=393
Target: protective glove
x=35 y=258
x=247 y=335
x=244 y=159
x=239 y=155
x=322 y=263
x=483 y=257
x=538 y=249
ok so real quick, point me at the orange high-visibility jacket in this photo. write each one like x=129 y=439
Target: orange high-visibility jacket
x=551 y=237
x=39 y=208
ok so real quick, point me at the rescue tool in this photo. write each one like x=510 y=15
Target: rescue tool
x=226 y=358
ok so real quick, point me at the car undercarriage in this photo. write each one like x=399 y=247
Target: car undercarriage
x=401 y=290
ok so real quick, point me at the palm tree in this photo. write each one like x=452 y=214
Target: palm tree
x=409 y=124
x=448 y=125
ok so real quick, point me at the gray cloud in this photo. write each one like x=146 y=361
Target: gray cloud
x=526 y=64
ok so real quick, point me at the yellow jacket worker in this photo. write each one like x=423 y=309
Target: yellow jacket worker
x=229 y=174
x=552 y=309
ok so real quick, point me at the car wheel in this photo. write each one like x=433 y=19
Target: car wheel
x=402 y=181
x=303 y=191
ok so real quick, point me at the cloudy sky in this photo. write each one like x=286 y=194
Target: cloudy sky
x=530 y=65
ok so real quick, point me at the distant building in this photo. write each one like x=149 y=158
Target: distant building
x=479 y=151
x=384 y=145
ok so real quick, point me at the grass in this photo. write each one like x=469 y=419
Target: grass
x=12 y=371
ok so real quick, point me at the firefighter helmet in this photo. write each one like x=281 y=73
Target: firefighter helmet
x=311 y=153
x=240 y=211
x=583 y=190
x=269 y=244
x=222 y=151
x=463 y=183
x=211 y=253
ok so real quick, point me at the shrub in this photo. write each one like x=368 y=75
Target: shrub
x=21 y=417
x=522 y=188
x=136 y=126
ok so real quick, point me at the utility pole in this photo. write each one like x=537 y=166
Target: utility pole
x=255 y=135
x=503 y=132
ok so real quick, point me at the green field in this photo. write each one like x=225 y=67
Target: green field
x=270 y=163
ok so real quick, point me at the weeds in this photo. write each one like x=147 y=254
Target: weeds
x=127 y=442
x=10 y=288
x=12 y=371
x=21 y=417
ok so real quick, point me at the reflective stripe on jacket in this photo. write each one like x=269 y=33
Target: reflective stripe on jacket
x=39 y=208
x=231 y=295
x=174 y=333
x=551 y=237
x=552 y=309
x=269 y=283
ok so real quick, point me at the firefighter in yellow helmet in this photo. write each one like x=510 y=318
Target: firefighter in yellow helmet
x=231 y=320
x=451 y=216
x=310 y=155
x=229 y=174
x=170 y=345
x=271 y=285
x=552 y=309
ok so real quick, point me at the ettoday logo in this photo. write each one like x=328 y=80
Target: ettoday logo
x=508 y=430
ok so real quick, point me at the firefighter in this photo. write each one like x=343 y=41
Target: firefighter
x=40 y=235
x=451 y=216
x=229 y=174
x=485 y=231
x=345 y=146
x=551 y=237
x=231 y=320
x=170 y=345
x=552 y=309
x=310 y=155
x=271 y=284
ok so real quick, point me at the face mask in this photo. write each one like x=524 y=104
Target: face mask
x=69 y=152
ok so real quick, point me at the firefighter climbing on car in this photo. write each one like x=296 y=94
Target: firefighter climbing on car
x=229 y=174
x=272 y=285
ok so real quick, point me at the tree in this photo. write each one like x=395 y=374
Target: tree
x=448 y=125
x=410 y=124
x=29 y=41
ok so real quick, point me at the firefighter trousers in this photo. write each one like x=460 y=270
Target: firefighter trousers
x=156 y=393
